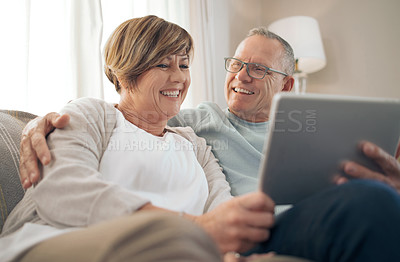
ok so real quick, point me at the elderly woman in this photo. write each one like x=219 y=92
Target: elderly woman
x=113 y=161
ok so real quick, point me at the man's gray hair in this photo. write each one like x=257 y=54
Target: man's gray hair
x=288 y=62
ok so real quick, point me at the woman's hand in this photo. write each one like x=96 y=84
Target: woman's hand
x=239 y=224
x=389 y=165
x=34 y=146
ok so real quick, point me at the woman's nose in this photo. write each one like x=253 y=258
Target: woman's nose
x=178 y=75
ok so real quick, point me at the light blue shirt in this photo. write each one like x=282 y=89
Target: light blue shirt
x=237 y=144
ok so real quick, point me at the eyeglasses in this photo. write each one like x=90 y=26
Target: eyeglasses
x=234 y=65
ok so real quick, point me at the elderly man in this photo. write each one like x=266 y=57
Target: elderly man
x=237 y=133
x=355 y=221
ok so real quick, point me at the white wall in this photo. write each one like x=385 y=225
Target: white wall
x=361 y=40
x=234 y=18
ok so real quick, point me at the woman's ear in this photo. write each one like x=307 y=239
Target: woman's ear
x=121 y=82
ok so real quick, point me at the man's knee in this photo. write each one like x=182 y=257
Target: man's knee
x=369 y=198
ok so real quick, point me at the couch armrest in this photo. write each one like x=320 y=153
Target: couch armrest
x=11 y=192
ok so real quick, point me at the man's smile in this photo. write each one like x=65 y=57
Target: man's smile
x=242 y=91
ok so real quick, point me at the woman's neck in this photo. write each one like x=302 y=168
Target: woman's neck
x=151 y=123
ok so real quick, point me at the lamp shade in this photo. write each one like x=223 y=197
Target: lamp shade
x=303 y=34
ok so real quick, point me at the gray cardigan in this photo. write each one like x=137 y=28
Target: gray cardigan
x=72 y=194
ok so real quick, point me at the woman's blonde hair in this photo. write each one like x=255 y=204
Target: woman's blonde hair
x=139 y=44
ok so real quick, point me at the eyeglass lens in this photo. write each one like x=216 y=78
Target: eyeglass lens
x=254 y=70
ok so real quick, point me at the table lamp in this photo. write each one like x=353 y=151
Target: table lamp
x=302 y=33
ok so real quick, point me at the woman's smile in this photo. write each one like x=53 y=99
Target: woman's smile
x=171 y=93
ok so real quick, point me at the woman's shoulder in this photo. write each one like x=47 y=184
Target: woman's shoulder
x=186 y=132
x=93 y=111
x=89 y=104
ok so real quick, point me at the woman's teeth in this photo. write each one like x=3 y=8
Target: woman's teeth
x=170 y=93
x=241 y=90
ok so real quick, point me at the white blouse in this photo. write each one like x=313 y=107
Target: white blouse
x=163 y=170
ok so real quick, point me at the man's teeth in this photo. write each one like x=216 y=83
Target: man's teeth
x=241 y=90
x=170 y=93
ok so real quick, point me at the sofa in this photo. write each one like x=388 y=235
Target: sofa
x=11 y=192
x=12 y=123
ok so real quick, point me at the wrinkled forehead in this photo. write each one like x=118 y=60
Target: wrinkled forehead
x=260 y=49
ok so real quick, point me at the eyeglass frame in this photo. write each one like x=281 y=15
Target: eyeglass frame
x=247 y=68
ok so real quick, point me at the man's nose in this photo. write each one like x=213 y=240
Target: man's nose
x=242 y=75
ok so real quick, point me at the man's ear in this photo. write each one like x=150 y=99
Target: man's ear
x=288 y=83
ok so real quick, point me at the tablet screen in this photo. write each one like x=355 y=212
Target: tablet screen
x=311 y=135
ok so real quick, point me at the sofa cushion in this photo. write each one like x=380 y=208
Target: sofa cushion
x=11 y=192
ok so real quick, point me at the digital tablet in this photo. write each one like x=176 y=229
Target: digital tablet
x=310 y=136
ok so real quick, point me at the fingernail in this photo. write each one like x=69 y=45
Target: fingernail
x=44 y=160
x=25 y=183
x=369 y=148
x=32 y=177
